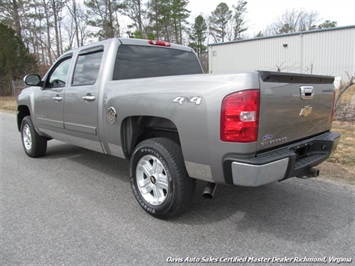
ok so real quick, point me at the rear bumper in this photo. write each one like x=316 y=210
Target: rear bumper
x=278 y=164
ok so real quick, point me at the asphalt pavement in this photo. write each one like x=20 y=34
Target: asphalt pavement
x=75 y=207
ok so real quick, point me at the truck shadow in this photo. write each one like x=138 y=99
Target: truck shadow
x=294 y=210
x=108 y=165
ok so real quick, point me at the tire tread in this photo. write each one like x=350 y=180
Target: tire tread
x=184 y=185
x=39 y=143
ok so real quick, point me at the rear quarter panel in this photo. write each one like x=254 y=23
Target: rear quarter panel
x=198 y=125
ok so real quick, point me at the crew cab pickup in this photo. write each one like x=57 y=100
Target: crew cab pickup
x=149 y=102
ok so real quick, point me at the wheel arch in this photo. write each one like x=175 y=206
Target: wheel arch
x=23 y=111
x=135 y=129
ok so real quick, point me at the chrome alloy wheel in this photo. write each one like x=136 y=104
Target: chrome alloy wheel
x=152 y=180
x=27 y=137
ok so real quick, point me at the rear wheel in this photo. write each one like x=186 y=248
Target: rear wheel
x=159 y=178
x=33 y=144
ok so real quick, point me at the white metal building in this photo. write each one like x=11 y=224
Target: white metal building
x=326 y=52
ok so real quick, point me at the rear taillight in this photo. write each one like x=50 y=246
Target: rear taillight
x=333 y=110
x=240 y=116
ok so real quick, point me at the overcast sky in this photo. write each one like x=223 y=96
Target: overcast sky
x=261 y=13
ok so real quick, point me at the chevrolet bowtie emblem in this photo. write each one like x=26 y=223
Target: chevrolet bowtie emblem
x=306 y=111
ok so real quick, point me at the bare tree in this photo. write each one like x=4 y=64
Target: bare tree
x=70 y=33
x=294 y=20
x=343 y=89
x=33 y=31
x=57 y=7
x=48 y=25
x=10 y=12
x=345 y=108
x=135 y=10
x=78 y=18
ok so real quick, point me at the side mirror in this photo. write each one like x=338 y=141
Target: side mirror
x=32 y=80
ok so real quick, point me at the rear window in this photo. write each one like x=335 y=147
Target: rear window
x=143 y=62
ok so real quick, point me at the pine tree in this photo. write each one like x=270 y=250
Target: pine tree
x=15 y=59
x=179 y=18
x=198 y=36
x=219 y=20
x=154 y=16
x=238 y=19
x=168 y=19
x=103 y=15
x=10 y=11
x=165 y=11
x=328 y=24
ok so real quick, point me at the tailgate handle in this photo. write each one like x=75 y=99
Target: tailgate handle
x=307 y=92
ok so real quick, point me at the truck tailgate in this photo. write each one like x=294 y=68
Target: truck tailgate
x=293 y=107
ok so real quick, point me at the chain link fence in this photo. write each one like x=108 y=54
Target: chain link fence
x=11 y=88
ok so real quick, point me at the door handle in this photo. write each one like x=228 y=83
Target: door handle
x=57 y=98
x=89 y=98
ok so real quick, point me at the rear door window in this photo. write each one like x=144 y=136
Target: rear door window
x=144 y=61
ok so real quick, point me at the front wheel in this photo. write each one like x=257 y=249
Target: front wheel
x=33 y=144
x=159 y=178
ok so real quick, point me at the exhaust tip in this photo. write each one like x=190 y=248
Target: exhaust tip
x=210 y=189
x=207 y=195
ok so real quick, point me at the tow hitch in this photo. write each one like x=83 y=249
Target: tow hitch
x=311 y=172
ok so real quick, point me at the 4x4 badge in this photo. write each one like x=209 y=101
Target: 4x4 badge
x=193 y=99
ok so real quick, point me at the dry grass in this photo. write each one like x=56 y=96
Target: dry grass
x=8 y=104
x=345 y=153
x=349 y=95
x=346 y=107
x=337 y=172
x=340 y=166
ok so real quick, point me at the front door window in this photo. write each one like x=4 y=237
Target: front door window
x=58 y=76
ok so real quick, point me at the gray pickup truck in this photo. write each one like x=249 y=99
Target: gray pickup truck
x=149 y=102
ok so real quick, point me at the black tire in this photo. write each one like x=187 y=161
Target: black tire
x=158 y=165
x=33 y=144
